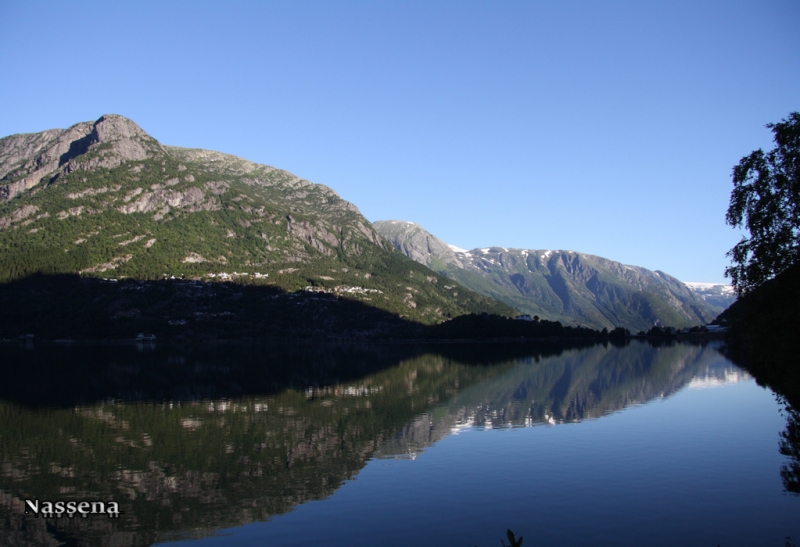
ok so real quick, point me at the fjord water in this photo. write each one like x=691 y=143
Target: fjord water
x=365 y=445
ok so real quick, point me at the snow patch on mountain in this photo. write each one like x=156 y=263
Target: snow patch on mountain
x=715 y=294
x=697 y=286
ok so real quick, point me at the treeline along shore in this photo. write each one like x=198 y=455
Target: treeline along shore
x=68 y=308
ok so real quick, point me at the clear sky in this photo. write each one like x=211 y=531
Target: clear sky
x=605 y=127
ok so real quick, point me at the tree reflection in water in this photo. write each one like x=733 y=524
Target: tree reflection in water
x=775 y=366
x=790 y=446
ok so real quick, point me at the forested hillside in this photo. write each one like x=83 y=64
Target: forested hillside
x=105 y=199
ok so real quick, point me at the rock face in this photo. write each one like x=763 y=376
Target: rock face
x=567 y=286
x=27 y=160
x=417 y=244
x=104 y=198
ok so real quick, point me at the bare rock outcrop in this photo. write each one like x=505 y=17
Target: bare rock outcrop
x=191 y=199
x=28 y=159
x=315 y=235
x=194 y=258
x=20 y=214
x=218 y=160
x=114 y=140
x=416 y=243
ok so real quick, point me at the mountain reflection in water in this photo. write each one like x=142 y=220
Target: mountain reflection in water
x=191 y=442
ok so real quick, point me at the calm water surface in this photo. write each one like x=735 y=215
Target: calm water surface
x=635 y=445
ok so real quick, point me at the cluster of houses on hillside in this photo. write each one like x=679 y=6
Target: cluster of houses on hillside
x=342 y=289
x=224 y=275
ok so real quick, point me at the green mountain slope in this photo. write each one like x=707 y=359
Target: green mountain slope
x=105 y=199
x=571 y=287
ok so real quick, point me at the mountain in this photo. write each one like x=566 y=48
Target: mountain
x=717 y=295
x=105 y=199
x=574 y=288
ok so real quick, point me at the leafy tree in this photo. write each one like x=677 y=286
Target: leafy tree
x=766 y=200
x=655 y=331
x=619 y=332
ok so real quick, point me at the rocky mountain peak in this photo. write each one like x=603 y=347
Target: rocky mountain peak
x=116 y=139
x=28 y=159
x=113 y=127
x=416 y=243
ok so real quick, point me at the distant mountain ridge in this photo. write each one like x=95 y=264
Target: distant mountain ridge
x=716 y=294
x=571 y=287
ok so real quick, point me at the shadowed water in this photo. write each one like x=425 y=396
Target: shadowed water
x=280 y=445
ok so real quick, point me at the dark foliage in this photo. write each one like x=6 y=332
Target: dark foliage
x=764 y=321
x=766 y=201
x=64 y=307
x=790 y=446
x=70 y=306
x=512 y=540
x=763 y=338
x=487 y=326
x=763 y=333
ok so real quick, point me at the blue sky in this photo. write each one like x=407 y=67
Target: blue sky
x=608 y=128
